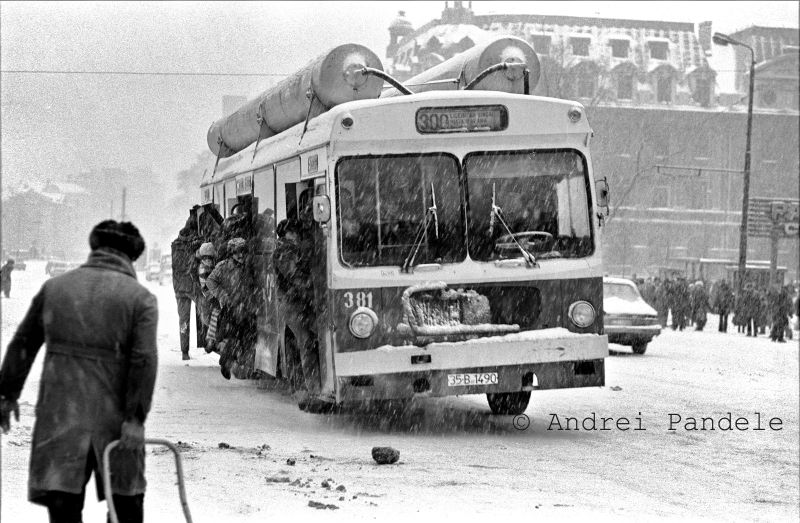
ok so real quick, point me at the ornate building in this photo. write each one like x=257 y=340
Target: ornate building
x=670 y=144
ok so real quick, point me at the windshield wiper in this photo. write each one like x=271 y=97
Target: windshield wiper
x=497 y=212
x=430 y=215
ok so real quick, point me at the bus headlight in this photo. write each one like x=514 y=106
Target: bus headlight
x=363 y=322
x=582 y=313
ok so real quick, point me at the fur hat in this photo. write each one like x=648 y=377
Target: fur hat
x=121 y=236
x=207 y=249
x=287 y=225
x=236 y=245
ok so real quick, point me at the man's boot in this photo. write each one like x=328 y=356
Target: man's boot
x=185 y=356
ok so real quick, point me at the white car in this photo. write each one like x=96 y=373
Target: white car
x=627 y=318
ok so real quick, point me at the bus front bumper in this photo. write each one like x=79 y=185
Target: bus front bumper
x=541 y=359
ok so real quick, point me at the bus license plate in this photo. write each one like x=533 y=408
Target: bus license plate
x=463 y=380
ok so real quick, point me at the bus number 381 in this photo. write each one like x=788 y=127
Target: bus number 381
x=358 y=299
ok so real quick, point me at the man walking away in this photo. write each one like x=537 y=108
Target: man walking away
x=99 y=327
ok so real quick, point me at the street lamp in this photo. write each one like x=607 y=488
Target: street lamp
x=723 y=39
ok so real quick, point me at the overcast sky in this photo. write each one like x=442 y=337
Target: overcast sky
x=57 y=124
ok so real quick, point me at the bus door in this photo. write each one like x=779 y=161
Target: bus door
x=267 y=344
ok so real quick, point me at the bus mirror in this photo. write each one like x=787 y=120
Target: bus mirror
x=322 y=209
x=602 y=193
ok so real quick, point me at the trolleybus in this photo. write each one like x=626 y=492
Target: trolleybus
x=458 y=244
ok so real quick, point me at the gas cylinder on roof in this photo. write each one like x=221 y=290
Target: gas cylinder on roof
x=332 y=79
x=468 y=65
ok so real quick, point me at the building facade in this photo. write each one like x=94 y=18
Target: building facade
x=671 y=145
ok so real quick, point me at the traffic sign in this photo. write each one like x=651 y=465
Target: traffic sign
x=780 y=214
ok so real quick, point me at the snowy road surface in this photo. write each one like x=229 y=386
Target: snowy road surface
x=457 y=460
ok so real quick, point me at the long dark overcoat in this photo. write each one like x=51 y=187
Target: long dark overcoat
x=99 y=327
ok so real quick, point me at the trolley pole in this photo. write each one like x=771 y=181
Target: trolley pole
x=122 y=216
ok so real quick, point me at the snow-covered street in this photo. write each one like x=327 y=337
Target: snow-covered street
x=456 y=459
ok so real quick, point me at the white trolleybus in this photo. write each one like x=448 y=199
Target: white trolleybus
x=457 y=228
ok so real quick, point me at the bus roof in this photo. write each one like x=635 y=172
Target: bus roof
x=321 y=129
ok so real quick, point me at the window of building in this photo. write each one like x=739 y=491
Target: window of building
x=625 y=86
x=541 y=44
x=658 y=50
x=619 y=48
x=664 y=89
x=580 y=46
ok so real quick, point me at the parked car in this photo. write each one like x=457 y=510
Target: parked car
x=627 y=318
x=57 y=267
x=151 y=273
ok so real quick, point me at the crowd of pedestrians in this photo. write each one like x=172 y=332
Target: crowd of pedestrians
x=754 y=312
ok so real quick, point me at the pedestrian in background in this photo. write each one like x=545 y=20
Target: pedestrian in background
x=700 y=305
x=751 y=302
x=722 y=302
x=762 y=311
x=662 y=302
x=99 y=326
x=5 y=277
x=681 y=305
x=780 y=308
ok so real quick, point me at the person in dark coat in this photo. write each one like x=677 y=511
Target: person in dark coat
x=648 y=292
x=751 y=303
x=700 y=306
x=296 y=298
x=780 y=308
x=722 y=302
x=680 y=304
x=5 y=277
x=762 y=311
x=99 y=327
x=231 y=286
x=661 y=304
x=186 y=284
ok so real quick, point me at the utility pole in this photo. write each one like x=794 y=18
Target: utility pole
x=122 y=216
x=723 y=39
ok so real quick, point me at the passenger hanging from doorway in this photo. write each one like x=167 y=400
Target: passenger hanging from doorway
x=292 y=260
x=207 y=256
x=230 y=285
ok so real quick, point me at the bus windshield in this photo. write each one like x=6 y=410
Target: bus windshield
x=383 y=202
x=531 y=200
